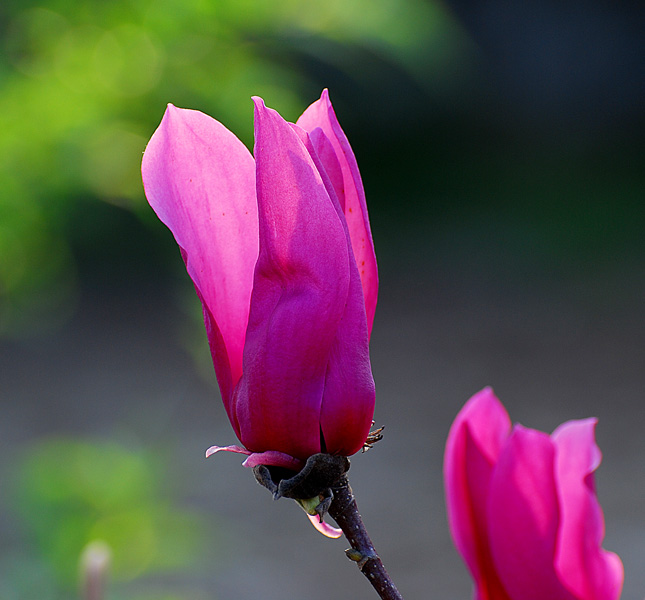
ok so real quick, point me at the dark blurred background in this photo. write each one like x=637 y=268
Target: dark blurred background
x=501 y=146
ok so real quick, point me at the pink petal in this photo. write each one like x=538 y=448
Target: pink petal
x=324 y=528
x=321 y=114
x=587 y=570
x=299 y=294
x=349 y=396
x=237 y=449
x=272 y=458
x=474 y=444
x=326 y=153
x=523 y=517
x=200 y=180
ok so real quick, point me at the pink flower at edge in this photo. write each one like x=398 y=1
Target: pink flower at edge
x=522 y=507
x=271 y=243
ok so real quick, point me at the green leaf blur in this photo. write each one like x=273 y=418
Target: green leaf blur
x=83 y=85
x=70 y=493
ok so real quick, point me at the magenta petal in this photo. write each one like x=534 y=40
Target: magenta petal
x=237 y=449
x=321 y=114
x=200 y=180
x=324 y=528
x=590 y=572
x=349 y=393
x=325 y=152
x=474 y=444
x=299 y=295
x=272 y=458
x=523 y=517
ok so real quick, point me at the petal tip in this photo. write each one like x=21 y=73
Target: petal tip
x=258 y=102
x=324 y=528
x=237 y=449
x=171 y=109
x=482 y=400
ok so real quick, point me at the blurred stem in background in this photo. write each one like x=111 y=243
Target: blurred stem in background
x=102 y=504
x=95 y=565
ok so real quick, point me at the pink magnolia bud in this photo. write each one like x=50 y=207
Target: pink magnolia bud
x=280 y=251
x=522 y=507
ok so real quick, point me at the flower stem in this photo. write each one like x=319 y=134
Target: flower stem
x=344 y=511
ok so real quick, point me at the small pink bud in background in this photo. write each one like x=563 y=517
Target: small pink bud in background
x=280 y=251
x=522 y=507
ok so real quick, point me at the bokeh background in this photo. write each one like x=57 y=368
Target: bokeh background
x=501 y=147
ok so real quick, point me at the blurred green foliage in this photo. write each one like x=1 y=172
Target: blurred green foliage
x=84 y=84
x=70 y=493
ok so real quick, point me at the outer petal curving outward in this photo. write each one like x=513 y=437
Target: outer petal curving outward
x=300 y=289
x=351 y=197
x=584 y=567
x=200 y=180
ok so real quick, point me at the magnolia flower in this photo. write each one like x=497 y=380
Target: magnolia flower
x=279 y=248
x=522 y=507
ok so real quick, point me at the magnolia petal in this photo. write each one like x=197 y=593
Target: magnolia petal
x=587 y=570
x=523 y=517
x=299 y=295
x=324 y=528
x=237 y=449
x=200 y=180
x=325 y=152
x=321 y=114
x=349 y=393
x=271 y=458
x=474 y=444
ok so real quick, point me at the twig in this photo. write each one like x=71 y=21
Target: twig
x=344 y=511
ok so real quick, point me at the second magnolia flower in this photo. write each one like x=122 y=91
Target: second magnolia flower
x=523 y=510
x=280 y=251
